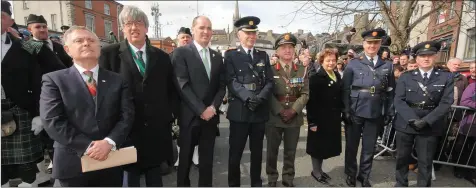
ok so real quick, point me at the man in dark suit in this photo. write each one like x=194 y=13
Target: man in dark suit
x=250 y=82
x=368 y=90
x=200 y=74
x=150 y=73
x=22 y=150
x=86 y=110
x=423 y=98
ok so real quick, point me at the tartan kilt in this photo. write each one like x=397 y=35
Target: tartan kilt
x=22 y=146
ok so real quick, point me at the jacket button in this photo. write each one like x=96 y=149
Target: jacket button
x=145 y=124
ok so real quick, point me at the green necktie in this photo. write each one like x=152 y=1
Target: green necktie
x=205 y=61
x=140 y=62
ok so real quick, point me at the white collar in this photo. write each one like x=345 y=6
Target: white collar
x=137 y=49
x=4 y=37
x=374 y=58
x=81 y=69
x=429 y=72
x=246 y=49
x=198 y=46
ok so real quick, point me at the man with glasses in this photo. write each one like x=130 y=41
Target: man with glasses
x=150 y=74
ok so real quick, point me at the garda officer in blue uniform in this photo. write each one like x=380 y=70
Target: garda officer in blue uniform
x=250 y=82
x=423 y=98
x=368 y=92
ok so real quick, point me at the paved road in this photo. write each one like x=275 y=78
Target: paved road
x=382 y=173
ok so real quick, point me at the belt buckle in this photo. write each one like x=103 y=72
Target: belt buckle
x=372 y=89
x=421 y=106
x=253 y=86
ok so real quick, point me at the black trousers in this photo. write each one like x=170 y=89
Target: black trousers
x=204 y=136
x=111 y=177
x=369 y=129
x=425 y=146
x=239 y=133
x=26 y=172
x=153 y=176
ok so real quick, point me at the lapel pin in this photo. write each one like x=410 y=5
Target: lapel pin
x=332 y=82
x=415 y=72
x=436 y=72
x=103 y=80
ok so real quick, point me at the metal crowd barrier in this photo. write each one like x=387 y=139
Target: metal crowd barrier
x=387 y=141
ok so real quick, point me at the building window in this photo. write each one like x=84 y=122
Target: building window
x=452 y=9
x=107 y=27
x=107 y=10
x=469 y=52
x=25 y=5
x=421 y=10
x=26 y=20
x=418 y=40
x=472 y=4
x=88 y=4
x=53 y=22
x=90 y=22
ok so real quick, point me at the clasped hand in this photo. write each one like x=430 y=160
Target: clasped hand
x=417 y=124
x=99 y=150
x=253 y=103
x=208 y=113
x=287 y=115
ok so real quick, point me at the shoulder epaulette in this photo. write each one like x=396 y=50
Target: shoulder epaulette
x=233 y=48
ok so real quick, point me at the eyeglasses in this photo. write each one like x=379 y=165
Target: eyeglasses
x=136 y=23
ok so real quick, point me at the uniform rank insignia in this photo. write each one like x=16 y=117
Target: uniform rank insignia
x=261 y=64
x=295 y=82
x=276 y=76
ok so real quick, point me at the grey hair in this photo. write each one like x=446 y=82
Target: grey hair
x=134 y=14
x=73 y=28
x=454 y=59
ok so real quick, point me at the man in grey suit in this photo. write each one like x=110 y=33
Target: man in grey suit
x=200 y=74
x=86 y=110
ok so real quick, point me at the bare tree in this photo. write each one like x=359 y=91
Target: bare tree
x=396 y=14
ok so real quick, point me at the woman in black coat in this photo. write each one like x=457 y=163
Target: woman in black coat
x=324 y=113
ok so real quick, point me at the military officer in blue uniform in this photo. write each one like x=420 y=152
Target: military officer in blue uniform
x=368 y=90
x=423 y=98
x=250 y=83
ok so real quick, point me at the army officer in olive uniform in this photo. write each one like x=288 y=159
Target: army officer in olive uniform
x=249 y=79
x=423 y=98
x=368 y=91
x=290 y=95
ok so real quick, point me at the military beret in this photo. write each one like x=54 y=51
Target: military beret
x=248 y=23
x=373 y=34
x=64 y=27
x=6 y=7
x=286 y=38
x=185 y=30
x=426 y=48
x=35 y=19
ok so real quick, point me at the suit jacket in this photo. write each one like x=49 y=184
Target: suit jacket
x=73 y=119
x=440 y=89
x=197 y=90
x=62 y=55
x=155 y=100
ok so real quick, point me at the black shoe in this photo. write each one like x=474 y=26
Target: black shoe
x=271 y=184
x=286 y=184
x=350 y=181
x=364 y=182
x=326 y=176
x=320 y=179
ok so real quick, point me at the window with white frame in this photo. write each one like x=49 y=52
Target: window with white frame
x=25 y=5
x=472 y=4
x=88 y=4
x=107 y=27
x=107 y=10
x=26 y=19
x=53 y=22
x=469 y=50
x=452 y=9
x=90 y=22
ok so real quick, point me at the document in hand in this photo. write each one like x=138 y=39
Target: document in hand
x=120 y=157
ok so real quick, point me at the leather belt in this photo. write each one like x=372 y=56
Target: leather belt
x=284 y=98
x=421 y=106
x=250 y=87
x=371 y=90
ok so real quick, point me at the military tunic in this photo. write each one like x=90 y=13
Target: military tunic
x=291 y=91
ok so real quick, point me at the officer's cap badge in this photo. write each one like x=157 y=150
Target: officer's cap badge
x=374 y=34
x=260 y=64
x=286 y=37
x=251 y=22
x=427 y=46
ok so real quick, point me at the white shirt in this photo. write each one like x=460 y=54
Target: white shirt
x=251 y=52
x=5 y=47
x=428 y=75
x=199 y=49
x=144 y=53
x=375 y=59
x=85 y=77
x=50 y=43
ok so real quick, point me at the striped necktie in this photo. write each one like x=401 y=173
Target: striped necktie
x=91 y=83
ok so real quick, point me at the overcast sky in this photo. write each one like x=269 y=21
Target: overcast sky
x=274 y=15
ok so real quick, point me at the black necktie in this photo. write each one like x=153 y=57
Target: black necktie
x=425 y=78
x=7 y=40
x=249 y=55
x=372 y=61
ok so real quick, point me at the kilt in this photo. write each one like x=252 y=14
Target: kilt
x=22 y=146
